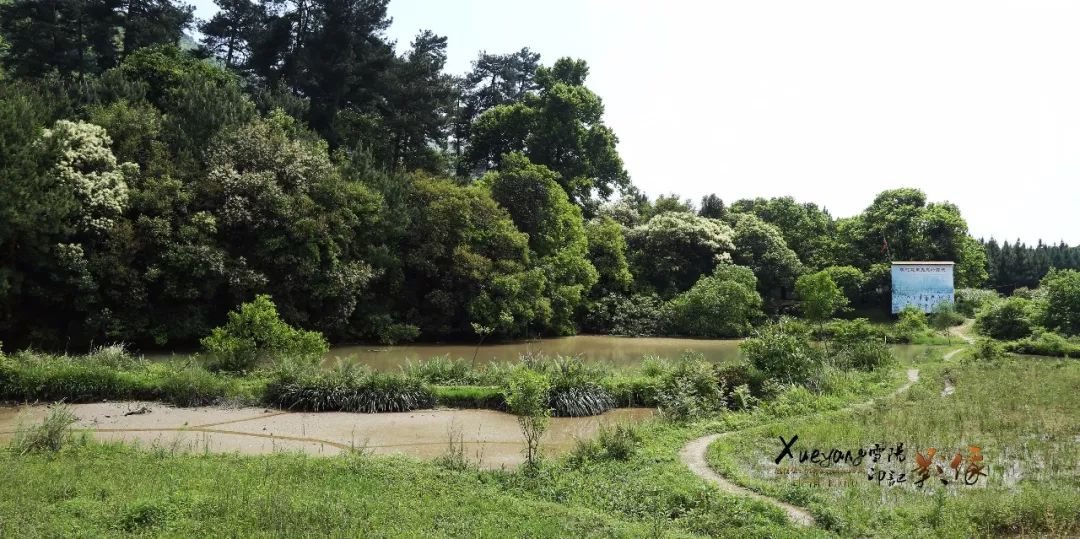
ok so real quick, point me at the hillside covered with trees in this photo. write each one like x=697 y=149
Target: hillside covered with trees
x=149 y=187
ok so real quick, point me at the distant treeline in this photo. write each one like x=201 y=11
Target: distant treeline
x=150 y=185
x=1016 y=265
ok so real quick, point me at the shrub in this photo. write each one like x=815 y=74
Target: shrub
x=611 y=443
x=575 y=390
x=911 y=324
x=970 y=300
x=724 y=304
x=1007 y=319
x=347 y=388
x=255 y=334
x=191 y=385
x=442 y=370
x=690 y=389
x=782 y=353
x=52 y=434
x=945 y=316
x=1045 y=343
x=987 y=349
x=865 y=355
x=526 y=395
x=847 y=332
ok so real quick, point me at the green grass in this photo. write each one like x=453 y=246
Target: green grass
x=97 y=491
x=1021 y=412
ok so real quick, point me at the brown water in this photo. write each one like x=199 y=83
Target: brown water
x=621 y=352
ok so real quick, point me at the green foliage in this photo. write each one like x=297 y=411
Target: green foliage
x=635 y=315
x=760 y=246
x=970 y=300
x=575 y=391
x=52 y=435
x=1044 y=343
x=611 y=443
x=821 y=298
x=541 y=209
x=526 y=395
x=782 y=352
x=1005 y=319
x=347 y=388
x=560 y=127
x=607 y=253
x=1059 y=308
x=256 y=334
x=850 y=280
x=911 y=324
x=987 y=350
x=690 y=389
x=806 y=229
x=868 y=355
x=724 y=304
x=945 y=316
x=672 y=251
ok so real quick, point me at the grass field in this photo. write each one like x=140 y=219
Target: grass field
x=1024 y=414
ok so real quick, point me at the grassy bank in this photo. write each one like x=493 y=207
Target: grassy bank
x=1020 y=412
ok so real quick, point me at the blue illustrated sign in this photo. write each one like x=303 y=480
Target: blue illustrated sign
x=922 y=284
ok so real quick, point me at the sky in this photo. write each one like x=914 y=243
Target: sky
x=973 y=102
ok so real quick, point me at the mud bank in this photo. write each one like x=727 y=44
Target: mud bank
x=490 y=438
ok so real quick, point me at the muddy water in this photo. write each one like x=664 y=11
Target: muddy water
x=621 y=352
x=491 y=439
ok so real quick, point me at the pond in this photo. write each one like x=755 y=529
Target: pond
x=620 y=352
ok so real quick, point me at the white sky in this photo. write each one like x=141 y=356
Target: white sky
x=975 y=102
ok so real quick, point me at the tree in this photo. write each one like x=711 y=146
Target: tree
x=807 y=229
x=71 y=37
x=713 y=208
x=672 y=251
x=1059 y=309
x=821 y=298
x=526 y=396
x=560 y=127
x=230 y=33
x=849 y=279
x=463 y=261
x=761 y=247
x=283 y=210
x=724 y=304
x=495 y=79
x=541 y=209
x=607 y=253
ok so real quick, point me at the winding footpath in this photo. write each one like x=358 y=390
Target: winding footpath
x=693 y=453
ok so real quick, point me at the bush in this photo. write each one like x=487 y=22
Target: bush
x=1045 y=343
x=443 y=370
x=192 y=385
x=782 y=353
x=347 y=388
x=611 y=443
x=846 y=332
x=575 y=390
x=724 y=304
x=255 y=334
x=526 y=395
x=911 y=324
x=945 y=316
x=1007 y=319
x=51 y=435
x=690 y=389
x=987 y=350
x=865 y=356
x=970 y=300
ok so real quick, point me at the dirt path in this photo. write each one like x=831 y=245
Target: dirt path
x=693 y=455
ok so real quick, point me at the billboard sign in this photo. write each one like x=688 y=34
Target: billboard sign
x=922 y=284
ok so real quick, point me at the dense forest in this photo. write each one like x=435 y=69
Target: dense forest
x=150 y=184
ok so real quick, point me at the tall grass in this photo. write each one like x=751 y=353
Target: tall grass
x=51 y=435
x=346 y=388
